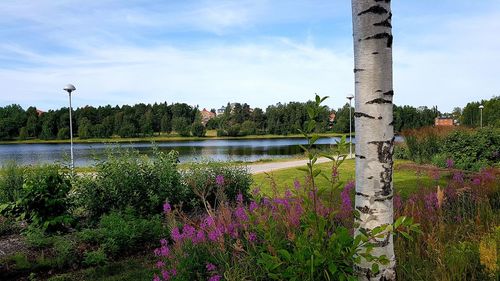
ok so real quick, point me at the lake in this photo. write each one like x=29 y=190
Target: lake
x=216 y=149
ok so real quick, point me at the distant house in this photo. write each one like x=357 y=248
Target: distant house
x=39 y=112
x=221 y=110
x=444 y=121
x=206 y=116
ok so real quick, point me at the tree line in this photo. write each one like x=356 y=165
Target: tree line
x=142 y=120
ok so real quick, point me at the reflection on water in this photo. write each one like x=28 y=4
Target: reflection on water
x=222 y=150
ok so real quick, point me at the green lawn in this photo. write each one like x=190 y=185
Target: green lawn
x=406 y=181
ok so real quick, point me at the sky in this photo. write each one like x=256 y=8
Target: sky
x=207 y=53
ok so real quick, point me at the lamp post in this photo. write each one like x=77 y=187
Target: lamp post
x=70 y=88
x=481 y=109
x=350 y=125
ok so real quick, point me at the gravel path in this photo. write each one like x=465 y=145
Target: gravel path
x=268 y=167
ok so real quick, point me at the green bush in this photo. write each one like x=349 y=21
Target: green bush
x=43 y=201
x=202 y=179
x=11 y=182
x=65 y=251
x=94 y=258
x=198 y=130
x=129 y=180
x=473 y=150
x=37 y=239
x=121 y=233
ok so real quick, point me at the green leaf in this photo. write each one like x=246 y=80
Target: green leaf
x=311 y=113
x=375 y=268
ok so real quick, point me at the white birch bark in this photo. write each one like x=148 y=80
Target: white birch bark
x=374 y=127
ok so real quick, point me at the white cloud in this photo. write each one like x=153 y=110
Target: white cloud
x=260 y=74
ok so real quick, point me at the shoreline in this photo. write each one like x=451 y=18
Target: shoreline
x=165 y=139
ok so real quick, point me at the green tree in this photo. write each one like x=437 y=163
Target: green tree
x=84 y=128
x=198 y=130
x=181 y=125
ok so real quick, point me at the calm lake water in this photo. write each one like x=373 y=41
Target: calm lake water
x=222 y=150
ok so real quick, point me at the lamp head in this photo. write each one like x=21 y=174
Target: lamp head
x=69 y=88
x=350 y=97
x=481 y=106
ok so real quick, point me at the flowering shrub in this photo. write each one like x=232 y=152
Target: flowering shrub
x=278 y=238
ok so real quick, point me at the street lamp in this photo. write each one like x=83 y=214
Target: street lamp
x=350 y=125
x=70 y=88
x=481 y=109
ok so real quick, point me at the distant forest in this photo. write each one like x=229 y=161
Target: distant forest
x=142 y=120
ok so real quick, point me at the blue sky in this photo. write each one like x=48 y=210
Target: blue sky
x=207 y=53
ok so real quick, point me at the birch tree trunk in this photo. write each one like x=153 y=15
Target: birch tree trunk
x=374 y=127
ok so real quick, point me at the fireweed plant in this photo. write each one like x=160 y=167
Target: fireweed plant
x=295 y=236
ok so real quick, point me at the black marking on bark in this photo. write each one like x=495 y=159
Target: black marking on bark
x=377 y=9
x=386 y=22
x=358 y=70
x=378 y=91
x=385 y=149
x=365 y=210
x=382 y=243
x=362 y=194
x=375 y=53
x=361 y=114
x=370 y=177
x=360 y=156
x=392 y=123
x=389 y=93
x=380 y=118
x=357 y=82
x=361 y=271
x=386 y=1
x=378 y=101
x=383 y=35
x=383 y=199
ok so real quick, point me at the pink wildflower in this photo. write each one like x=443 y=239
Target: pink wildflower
x=156 y=278
x=219 y=179
x=167 y=208
x=252 y=206
x=215 y=278
x=160 y=264
x=165 y=274
x=211 y=267
x=176 y=235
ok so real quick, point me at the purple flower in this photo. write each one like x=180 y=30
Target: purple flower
x=296 y=184
x=211 y=267
x=252 y=206
x=219 y=179
x=252 y=237
x=255 y=192
x=458 y=177
x=173 y=272
x=163 y=242
x=200 y=237
x=476 y=181
x=164 y=251
x=288 y=193
x=431 y=201
x=215 y=278
x=167 y=208
x=449 y=163
x=241 y=214
x=176 y=235
x=165 y=274
x=239 y=198
x=397 y=202
x=188 y=231
x=346 y=207
x=160 y=264
x=156 y=278
x=215 y=234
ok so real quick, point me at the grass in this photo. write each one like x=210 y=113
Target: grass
x=211 y=134
x=406 y=181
